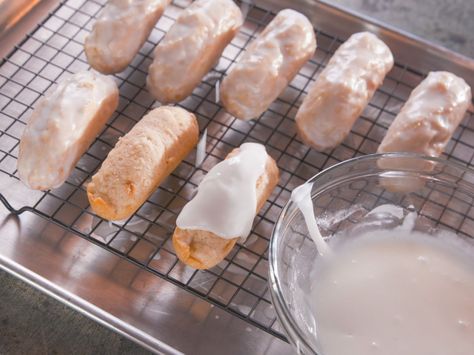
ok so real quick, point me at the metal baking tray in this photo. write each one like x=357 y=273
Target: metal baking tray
x=126 y=275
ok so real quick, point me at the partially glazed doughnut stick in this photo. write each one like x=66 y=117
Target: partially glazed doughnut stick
x=62 y=126
x=120 y=31
x=191 y=47
x=141 y=160
x=430 y=116
x=224 y=208
x=343 y=90
x=269 y=64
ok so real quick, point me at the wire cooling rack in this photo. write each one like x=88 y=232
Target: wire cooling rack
x=54 y=50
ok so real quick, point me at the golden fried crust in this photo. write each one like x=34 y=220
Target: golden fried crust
x=202 y=249
x=141 y=160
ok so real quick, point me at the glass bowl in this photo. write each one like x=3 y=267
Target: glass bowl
x=373 y=191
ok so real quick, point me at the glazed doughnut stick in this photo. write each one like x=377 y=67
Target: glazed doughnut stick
x=191 y=47
x=62 y=126
x=269 y=64
x=430 y=116
x=343 y=90
x=424 y=125
x=120 y=31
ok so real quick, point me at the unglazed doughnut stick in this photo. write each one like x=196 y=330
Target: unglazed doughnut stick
x=430 y=116
x=343 y=90
x=223 y=210
x=191 y=47
x=62 y=126
x=269 y=64
x=120 y=31
x=141 y=160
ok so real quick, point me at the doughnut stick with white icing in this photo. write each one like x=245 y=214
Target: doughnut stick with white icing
x=343 y=90
x=191 y=47
x=62 y=126
x=424 y=125
x=120 y=31
x=430 y=116
x=141 y=160
x=226 y=203
x=269 y=64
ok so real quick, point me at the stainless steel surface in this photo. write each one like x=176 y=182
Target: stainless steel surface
x=12 y=11
x=126 y=274
x=14 y=28
x=121 y=295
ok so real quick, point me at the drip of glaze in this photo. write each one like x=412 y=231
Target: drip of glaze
x=218 y=93
x=301 y=196
x=201 y=149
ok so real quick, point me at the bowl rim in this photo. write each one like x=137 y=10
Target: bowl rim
x=285 y=317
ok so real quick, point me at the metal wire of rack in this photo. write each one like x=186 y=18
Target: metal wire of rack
x=53 y=50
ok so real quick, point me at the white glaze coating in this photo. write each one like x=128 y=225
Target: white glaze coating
x=120 y=31
x=430 y=116
x=226 y=201
x=269 y=64
x=343 y=90
x=62 y=126
x=191 y=47
x=392 y=292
